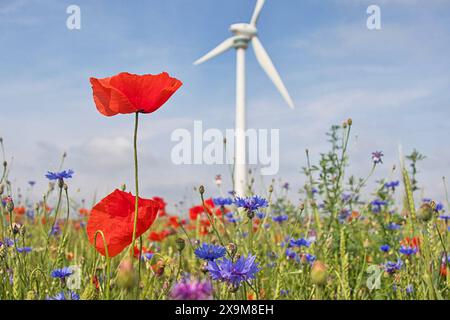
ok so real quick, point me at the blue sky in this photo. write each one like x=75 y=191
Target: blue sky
x=394 y=83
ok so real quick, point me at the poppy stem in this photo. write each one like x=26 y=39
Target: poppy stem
x=136 y=178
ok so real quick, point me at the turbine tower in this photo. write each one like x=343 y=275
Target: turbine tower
x=244 y=33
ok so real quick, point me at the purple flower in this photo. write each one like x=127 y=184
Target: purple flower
x=286 y=186
x=210 y=252
x=376 y=205
x=62 y=273
x=393 y=226
x=291 y=254
x=62 y=296
x=391 y=267
x=190 y=289
x=392 y=185
x=244 y=269
x=377 y=157
x=222 y=201
x=24 y=249
x=59 y=175
x=251 y=204
x=410 y=289
x=280 y=218
x=408 y=250
x=31 y=183
x=385 y=248
x=299 y=243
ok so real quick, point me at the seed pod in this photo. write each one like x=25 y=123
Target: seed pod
x=126 y=275
x=201 y=189
x=181 y=244
x=350 y=121
x=425 y=212
x=319 y=273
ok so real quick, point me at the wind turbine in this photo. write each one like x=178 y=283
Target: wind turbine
x=243 y=34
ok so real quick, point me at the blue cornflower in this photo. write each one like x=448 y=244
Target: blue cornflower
x=260 y=215
x=210 y=252
x=385 y=248
x=24 y=249
x=410 y=289
x=284 y=292
x=285 y=186
x=222 y=201
x=31 y=183
x=392 y=185
x=62 y=296
x=439 y=207
x=408 y=250
x=376 y=205
x=393 y=226
x=346 y=197
x=251 y=204
x=390 y=266
x=291 y=254
x=280 y=218
x=310 y=258
x=59 y=175
x=147 y=256
x=444 y=217
x=377 y=157
x=225 y=270
x=62 y=273
x=7 y=242
x=299 y=243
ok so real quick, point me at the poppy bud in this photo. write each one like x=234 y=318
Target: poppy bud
x=123 y=187
x=5 y=164
x=126 y=275
x=9 y=205
x=16 y=228
x=201 y=189
x=270 y=188
x=160 y=268
x=319 y=273
x=224 y=140
x=350 y=121
x=180 y=244
x=425 y=212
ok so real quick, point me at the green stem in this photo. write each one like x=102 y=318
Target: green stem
x=136 y=178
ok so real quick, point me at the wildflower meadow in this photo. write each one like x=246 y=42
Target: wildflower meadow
x=336 y=235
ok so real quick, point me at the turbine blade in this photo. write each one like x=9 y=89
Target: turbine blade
x=257 y=12
x=267 y=65
x=221 y=48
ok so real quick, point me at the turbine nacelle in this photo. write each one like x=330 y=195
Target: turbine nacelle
x=244 y=29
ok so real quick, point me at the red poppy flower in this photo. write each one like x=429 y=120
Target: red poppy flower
x=130 y=93
x=83 y=212
x=197 y=210
x=114 y=215
x=158 y=236
x=162 y=206
x=411 y=242
x=20 y=210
